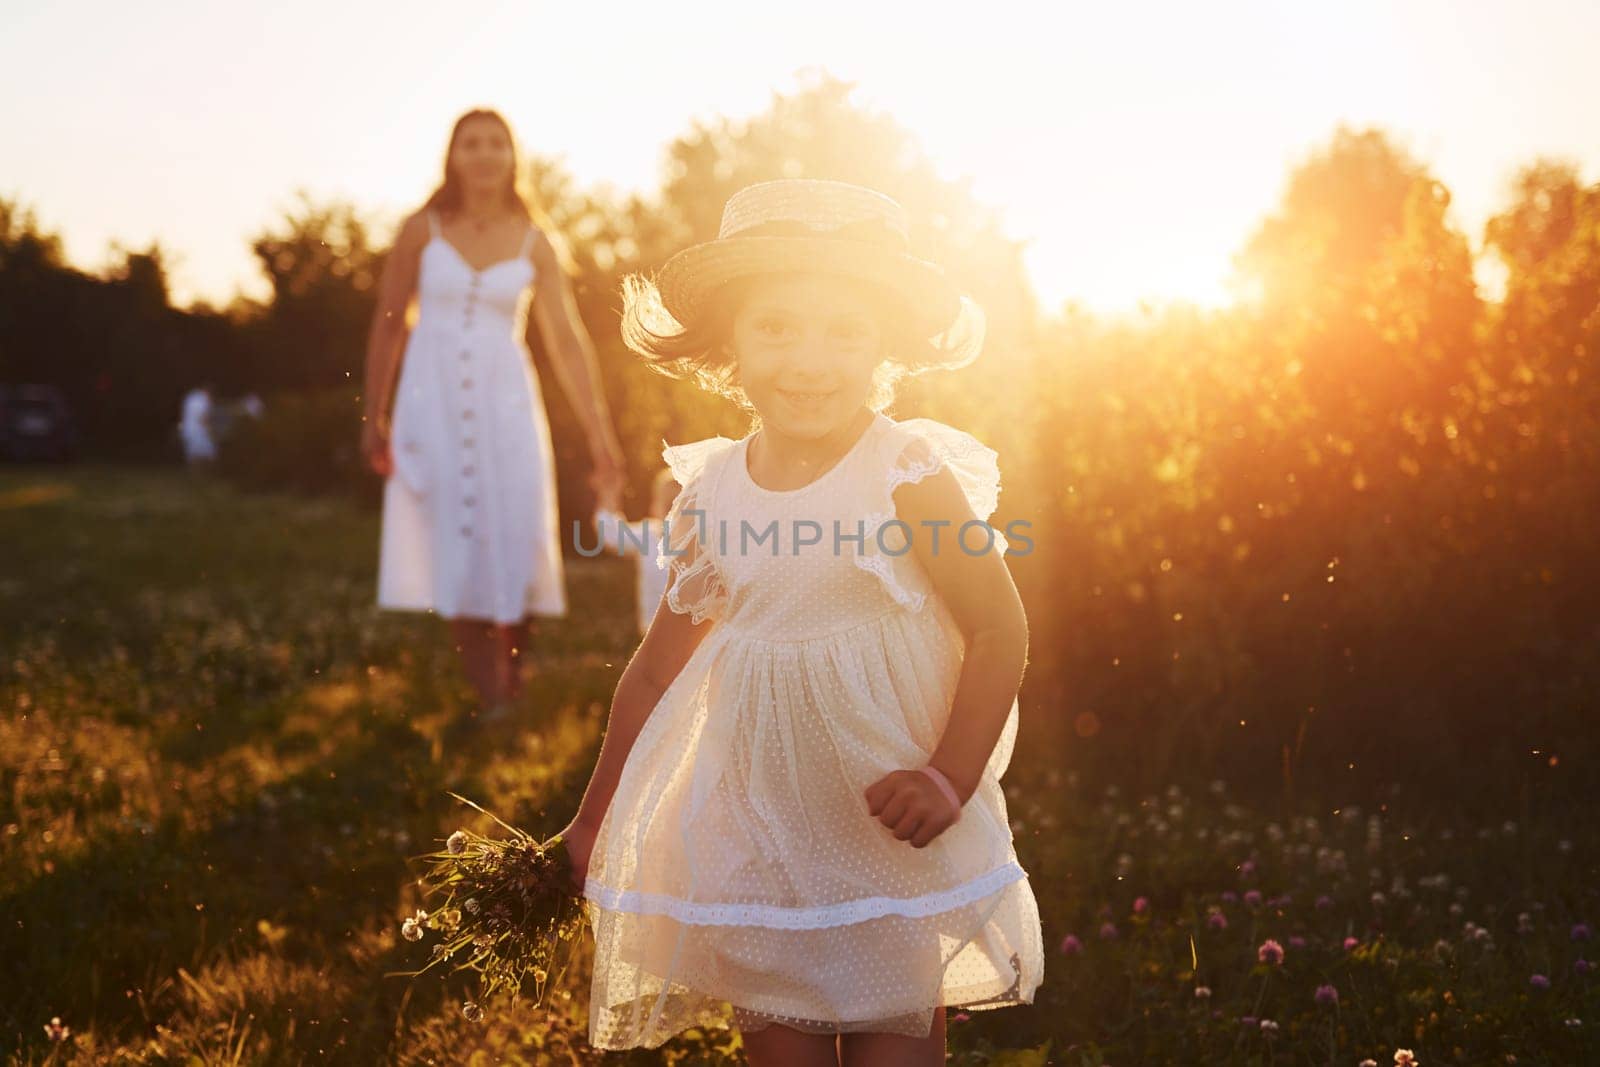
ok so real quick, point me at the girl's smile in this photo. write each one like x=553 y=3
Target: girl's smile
x=807 y=402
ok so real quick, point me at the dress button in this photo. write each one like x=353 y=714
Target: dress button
x=466 y=531
x=468 y=442
x=466 y=383
x=469 y=500
x=468 y=471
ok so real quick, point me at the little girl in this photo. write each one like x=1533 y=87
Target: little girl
x=797 y=807
x=641 y=540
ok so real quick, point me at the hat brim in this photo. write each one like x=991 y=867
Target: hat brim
x=689 y=279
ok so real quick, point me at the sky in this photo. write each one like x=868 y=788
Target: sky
x=1134 y=146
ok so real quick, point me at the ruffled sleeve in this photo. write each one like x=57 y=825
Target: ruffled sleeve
x=696 y=587
x=910 y=451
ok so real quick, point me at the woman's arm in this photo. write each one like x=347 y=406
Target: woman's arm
x=386 y=337
x=572 y=356
x=986 y=605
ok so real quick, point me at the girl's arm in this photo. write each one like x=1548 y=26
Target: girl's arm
x=986 y=605
x=386 y=337
x=666 y=648
x=573 y=359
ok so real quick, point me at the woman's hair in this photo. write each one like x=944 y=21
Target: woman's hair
x=517 y=194
x=701 y=353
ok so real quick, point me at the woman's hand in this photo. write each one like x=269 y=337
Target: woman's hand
x=610 y=499
x=608 y=478
x=607 y=485
x=911 y=805
x=375 y=448
x=579 y=837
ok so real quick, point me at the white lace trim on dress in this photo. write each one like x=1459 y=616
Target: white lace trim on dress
x=923 y=446
x=773 y=915
x=697 y=587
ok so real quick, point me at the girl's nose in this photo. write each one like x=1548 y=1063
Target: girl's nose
x=816 y=353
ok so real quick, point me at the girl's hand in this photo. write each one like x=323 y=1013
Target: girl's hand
x=579 y=837
x=910 y=804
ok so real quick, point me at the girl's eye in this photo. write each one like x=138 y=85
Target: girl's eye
x=773 y=327
x=851 y=331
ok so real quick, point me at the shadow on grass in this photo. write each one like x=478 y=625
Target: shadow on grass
x=321 y=861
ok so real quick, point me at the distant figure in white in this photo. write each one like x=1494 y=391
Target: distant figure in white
x=469 y=506
x=195 y=428
x=641 y=539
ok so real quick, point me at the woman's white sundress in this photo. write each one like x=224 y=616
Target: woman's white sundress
x=469 y=514
x=738 y=862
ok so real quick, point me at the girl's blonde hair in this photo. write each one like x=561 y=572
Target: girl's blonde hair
x=699 y=352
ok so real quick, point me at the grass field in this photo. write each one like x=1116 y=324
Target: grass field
x=218 y=761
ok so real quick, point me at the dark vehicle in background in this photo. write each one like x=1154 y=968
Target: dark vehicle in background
x=36 y=423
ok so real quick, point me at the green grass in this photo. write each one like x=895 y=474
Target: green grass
x=217 y=757
x=218 y=760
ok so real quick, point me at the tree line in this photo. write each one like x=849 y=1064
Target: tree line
x=1339 y=531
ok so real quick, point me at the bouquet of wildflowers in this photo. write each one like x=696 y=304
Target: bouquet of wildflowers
x=508 y=911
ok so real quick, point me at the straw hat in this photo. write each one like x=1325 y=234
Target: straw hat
x=804 y=224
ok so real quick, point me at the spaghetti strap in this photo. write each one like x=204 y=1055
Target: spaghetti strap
x=527 y=241
x=433 y=224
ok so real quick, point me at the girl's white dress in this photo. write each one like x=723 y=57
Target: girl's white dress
x=469 y=514
x=738 y=862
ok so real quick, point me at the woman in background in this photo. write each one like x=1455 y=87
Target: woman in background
x=469 y=507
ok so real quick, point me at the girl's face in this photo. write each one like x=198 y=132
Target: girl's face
x=806 y=347
x=482 y=153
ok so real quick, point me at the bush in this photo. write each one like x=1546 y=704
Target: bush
x=305 y=443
